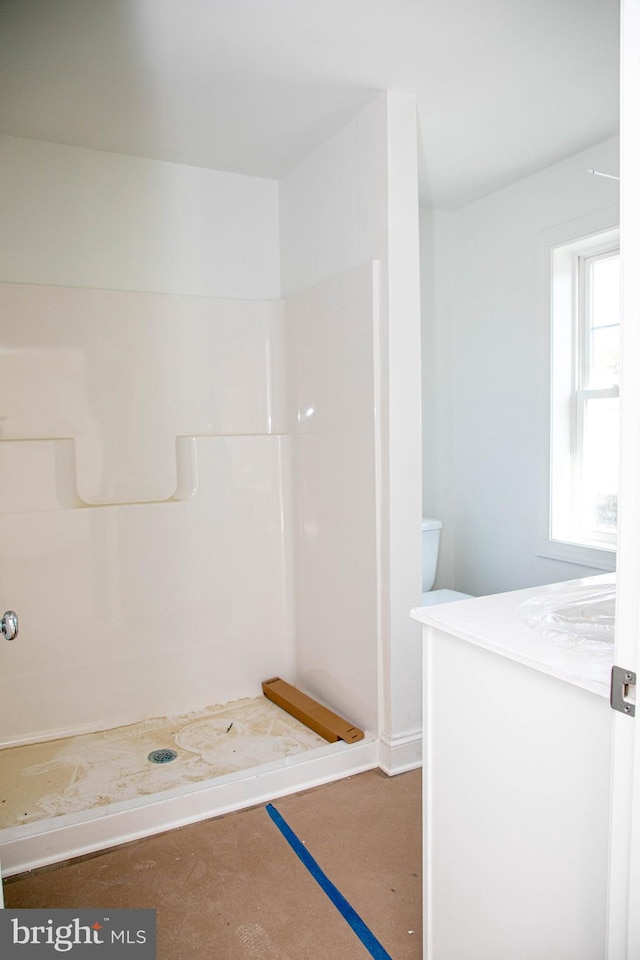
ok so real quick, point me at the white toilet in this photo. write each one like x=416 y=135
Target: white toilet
x=430 y=544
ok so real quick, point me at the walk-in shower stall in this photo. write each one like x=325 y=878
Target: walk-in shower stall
x=197 y=483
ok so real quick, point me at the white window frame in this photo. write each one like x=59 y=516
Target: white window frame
x=563 y=389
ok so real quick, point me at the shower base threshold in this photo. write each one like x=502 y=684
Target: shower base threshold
x=72 y=797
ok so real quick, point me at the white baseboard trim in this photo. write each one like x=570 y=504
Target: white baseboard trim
x=399 y=754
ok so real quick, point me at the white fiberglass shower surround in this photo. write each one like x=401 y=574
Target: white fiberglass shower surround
x=153 y=500
x=198 y=492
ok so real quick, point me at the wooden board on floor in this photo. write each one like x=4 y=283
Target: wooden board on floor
x=318 y=718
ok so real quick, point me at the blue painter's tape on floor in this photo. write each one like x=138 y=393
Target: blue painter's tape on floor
x=356 y=923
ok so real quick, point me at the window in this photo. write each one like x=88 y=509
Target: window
x=582 y=497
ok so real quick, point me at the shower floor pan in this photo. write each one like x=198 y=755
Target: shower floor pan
x=65 y=798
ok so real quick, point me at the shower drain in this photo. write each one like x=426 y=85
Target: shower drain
x=162 y=756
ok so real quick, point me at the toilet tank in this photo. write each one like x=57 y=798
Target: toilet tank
x=430 y=543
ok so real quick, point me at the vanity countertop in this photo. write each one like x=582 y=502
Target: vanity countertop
x=494 y=622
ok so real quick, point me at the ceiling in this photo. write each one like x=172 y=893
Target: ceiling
x=503 y=87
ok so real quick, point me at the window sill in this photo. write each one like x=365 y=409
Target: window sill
x=596 y=557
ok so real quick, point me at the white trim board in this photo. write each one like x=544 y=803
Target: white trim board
x=399 y=754
x=592 y=224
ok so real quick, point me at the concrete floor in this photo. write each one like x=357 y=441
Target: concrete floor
x=231 y=888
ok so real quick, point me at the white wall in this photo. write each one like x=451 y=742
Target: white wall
x=485 y=370
x=401 y=356
x=333 y=223
x=352 y=201
x=82 y=363
x=334 y=205
x=147 y=610
x=144 y=542
x=85 y=218
x=332 y=332
x=138 y=308
x=437 y=390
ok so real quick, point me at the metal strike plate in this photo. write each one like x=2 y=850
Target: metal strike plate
x=623 y=691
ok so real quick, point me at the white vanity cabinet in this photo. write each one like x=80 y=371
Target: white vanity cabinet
x=517 y=751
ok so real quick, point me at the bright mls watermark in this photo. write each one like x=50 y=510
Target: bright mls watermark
x=80 y=934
